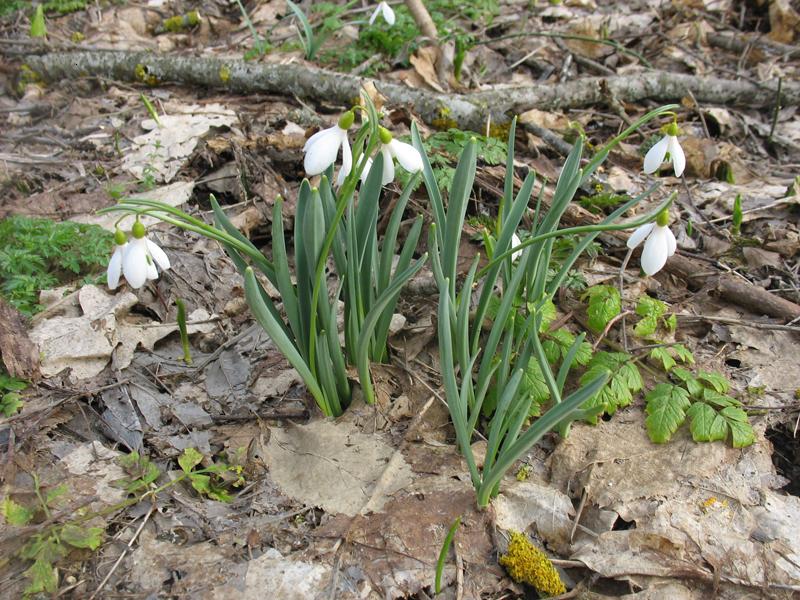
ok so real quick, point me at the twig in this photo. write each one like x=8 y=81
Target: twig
x=123 y=553
x=609 y=325
x=468 y=110
x=743 y=323
x=776 y=110
x=423 y=20
x=621 y=286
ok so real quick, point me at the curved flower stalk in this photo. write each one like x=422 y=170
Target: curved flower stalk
x=322 y=148
x=660 y=243
x=408 y=157
x=385 y=11
x=667 y=147
x=138 y=260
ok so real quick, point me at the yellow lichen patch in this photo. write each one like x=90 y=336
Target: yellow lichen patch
x=224 y=74
x=499 y=130
x=144 y=75
x=178 y=23
x=527 y=564
x=713 y=503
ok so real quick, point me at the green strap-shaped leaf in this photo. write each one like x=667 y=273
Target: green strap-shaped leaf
x=428 y=176
x=552 y=418
x=284 y=344
x=371 y=320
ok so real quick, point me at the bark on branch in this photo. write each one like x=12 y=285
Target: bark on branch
x=470 y=111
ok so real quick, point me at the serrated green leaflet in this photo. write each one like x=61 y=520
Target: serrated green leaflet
x=706 y=424
x=15 y=514
x=624 y=380
x=666 y=411
x=604 y=304
x=664 y=356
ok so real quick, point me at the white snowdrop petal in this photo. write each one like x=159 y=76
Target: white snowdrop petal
x=637 y=237
x=388 y=166
x=655 y=156
x=408 y=156
x=655 y=253
x=134 y=263
x=365 y=172
x=152 y=272
x=672 y=243
x=322 y=153
x=515 y=241
x=677 y=156
x=347 y=161
x=115 y=267
x=388 y=13
x=314 y=138
x=375 y=14
x=158 y=255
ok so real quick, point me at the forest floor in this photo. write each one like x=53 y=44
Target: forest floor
x=101 y=410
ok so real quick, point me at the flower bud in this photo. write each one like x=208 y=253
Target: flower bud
x=672 y=129
x=138 y=230
x=347 y=119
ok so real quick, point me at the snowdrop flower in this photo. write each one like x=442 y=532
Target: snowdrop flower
x=386 y=11
x=139 y=259
x=666 y=145
x=660 y=244
x=322 y=148
x=515 y=241
x=115 y=264
x=408 y=157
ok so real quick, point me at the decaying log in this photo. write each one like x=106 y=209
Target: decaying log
x=469 y=111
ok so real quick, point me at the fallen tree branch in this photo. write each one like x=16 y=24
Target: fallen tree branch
x=470 y=111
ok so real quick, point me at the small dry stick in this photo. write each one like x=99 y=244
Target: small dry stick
x=423 y=19
x=621 y=285
x=124 y=552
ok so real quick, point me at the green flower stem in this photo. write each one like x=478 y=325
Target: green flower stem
x=345 y=194
x=189 y=225
x=577 y=230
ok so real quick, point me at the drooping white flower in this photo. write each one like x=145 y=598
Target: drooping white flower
x=386 y=11
x=115 y=264
x=322 y=148
x=140 y=258
x=666 y=145
x=515 y=241
x=408 y=157
x=660 y=244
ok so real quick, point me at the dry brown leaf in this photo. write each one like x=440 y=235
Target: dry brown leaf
x=19 y=355
x=784 y=21
x=332 y=465
x=549 y=120
x=424 y=63
x=591 y=29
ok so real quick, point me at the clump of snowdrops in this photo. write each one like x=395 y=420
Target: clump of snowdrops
x=337 y=223
x=332 y=222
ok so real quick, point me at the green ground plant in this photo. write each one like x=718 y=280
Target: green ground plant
x=49 y=538
x=10 y=398
x=38 y=254
x=677 y=394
